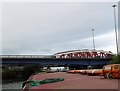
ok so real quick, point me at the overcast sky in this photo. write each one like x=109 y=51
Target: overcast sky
x=49 y=27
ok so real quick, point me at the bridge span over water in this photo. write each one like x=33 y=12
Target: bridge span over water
x=74 y=57
x=56 y=61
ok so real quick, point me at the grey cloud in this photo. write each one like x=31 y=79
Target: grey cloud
x=50 y=27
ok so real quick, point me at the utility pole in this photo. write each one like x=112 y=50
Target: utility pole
x=114 y=6
x=93 y=39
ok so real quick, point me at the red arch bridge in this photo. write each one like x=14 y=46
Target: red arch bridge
x=73 y=57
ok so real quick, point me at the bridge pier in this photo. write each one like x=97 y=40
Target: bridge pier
x=66 y=68
x=48 y=69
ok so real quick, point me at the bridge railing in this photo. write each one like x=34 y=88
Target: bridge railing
x=25 y=56
x=85 y=54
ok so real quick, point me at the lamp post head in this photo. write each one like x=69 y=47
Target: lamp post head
x=92 y=29
x=114 y=5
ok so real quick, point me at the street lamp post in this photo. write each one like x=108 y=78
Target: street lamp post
x=114 y=6
x=93 y=39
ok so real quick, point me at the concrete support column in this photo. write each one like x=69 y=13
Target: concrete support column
x=66 y=68
x=48 y=69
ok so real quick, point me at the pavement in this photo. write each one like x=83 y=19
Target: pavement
x=75 y=81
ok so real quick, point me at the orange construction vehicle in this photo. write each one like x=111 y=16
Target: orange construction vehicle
x=111 y=71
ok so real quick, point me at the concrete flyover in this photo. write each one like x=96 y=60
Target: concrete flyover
x=57 y=61
x=71 y=57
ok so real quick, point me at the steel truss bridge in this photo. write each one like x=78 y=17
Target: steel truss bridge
x=84 y=54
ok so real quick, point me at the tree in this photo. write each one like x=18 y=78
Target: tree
x=116 y=59
x=30 y=69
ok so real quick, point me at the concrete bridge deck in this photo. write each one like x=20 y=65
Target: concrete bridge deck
x=57 y=61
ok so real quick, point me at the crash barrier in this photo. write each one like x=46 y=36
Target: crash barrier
x=87 y=71
x=108 y=71
x=94 y=72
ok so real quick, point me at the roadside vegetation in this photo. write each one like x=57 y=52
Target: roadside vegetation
x=9 y=75
x=116 y=59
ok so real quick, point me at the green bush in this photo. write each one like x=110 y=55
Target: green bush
x=116 y=59
x=30 y=69
x=7 y=74
x=23 y=74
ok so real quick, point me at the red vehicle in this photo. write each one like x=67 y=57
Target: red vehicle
x=111 y=71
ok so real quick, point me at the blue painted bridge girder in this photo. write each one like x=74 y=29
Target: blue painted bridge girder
x=57 y=61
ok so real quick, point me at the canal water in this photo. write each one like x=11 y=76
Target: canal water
x=13 y=85
x=18 y=85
